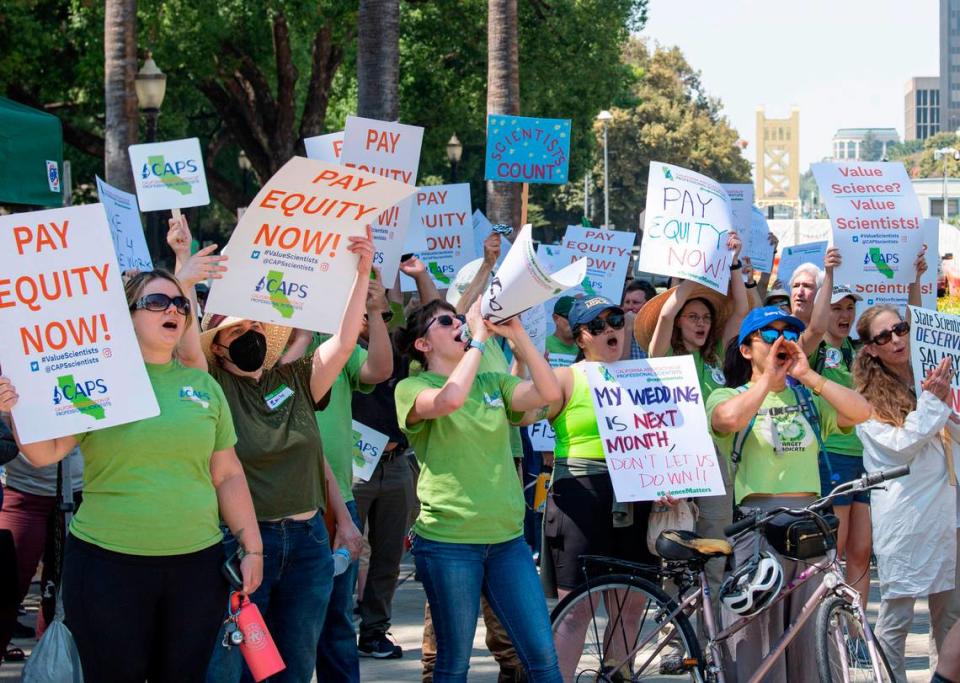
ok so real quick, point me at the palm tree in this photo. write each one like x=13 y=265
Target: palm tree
x=378 y=59
x=120 y=95
x=503 y=97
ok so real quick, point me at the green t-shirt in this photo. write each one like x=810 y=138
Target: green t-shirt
x=835 y=369
x=469 y=490
x=335 y=421
x=494 y=360
x=147 y=484
x=278 y=440
x=764 y=469
x=560 y=354
x=711 y=376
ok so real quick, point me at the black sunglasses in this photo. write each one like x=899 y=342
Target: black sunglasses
x=900 y=329
x=445 y=321
x=159 y=302
x=616 y=321
x=387 y=316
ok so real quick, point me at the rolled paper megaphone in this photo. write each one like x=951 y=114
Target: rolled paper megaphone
x=522 y=282
x=258 y=649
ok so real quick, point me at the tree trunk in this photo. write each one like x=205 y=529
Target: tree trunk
x=503 y=97
x=378 y=59
x=120 y=94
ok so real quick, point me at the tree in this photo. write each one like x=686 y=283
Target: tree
x=378 y=59
x=120 y=95
x=871 y=149
x=503 y=97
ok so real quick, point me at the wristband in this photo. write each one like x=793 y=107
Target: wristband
x=819 y=386
x=750 y=285
x=735 y=266
x=479 y=345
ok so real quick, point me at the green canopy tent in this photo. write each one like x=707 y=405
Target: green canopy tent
x=31 y=156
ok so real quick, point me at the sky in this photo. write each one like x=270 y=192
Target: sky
x=844 y=63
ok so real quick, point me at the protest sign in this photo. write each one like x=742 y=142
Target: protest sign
x=68 y=344
x=898 y=295
x=325 y=148
x=687 y=221
x=391 y=150
x=521 y=149
x=756 y=242
x=123 y=217
x=442 y=214
x=608 y=257
x=534 y=321
x=542 y=436
x=791 y=257
x=289 y=260
x=876 y=222
x=933 y=337
x=522 y=282
x=368 y=445
x=654 y=429
x=553 y=257
x=741 y=202
x=482 y=227
x=169 y=175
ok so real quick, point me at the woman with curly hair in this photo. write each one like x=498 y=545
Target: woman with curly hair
x=914 y=517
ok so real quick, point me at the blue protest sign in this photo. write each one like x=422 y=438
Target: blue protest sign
x=521 y=149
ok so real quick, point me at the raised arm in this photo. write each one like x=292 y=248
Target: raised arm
x=919 y=268
x=819 y=318
x=379 y=363
x=491 y=252
x=426 y=289
x=737 y=291
x=542 y=388
x=660 y=341
x=852 y=408
x=39 y=453
x=333 y=354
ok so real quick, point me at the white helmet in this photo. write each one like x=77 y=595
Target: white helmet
x=752 y=586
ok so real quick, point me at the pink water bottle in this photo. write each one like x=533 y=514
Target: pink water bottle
x=258 y=648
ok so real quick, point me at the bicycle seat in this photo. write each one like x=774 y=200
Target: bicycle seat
x=683 y=546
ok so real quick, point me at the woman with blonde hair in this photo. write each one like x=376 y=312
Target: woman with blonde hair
x=914 y=517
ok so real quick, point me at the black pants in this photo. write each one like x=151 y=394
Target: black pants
x=137 y=618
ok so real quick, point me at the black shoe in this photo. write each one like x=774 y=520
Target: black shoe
x=379 y=647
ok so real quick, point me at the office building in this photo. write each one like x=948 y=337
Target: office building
x=921 y=108
x=848 y=143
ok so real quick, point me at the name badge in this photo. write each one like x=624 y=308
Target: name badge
x=278 y=396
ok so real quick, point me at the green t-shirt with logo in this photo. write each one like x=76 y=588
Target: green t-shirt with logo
x=495 y=360
x=147 y=484
x=711 y=376
x=559 y=354
x=835 y=369
x=764 y=468
x=335 y=421
x=278 y=441
x=469 y=490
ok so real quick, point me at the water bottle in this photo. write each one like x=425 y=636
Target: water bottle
x=257 y=647
x=341 y=561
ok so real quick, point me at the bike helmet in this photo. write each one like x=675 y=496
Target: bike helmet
x=752 y=586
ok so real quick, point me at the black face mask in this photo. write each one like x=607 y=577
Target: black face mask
x=248 y=350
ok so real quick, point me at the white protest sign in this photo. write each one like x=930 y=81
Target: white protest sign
x=289 y=262
x=391 y=150
x=933 y=337
x=482 y=227
x=654 y=429
x=534 y=321
x=68 y=344
x=608 y=257
x=877 y=224
x=898 y=295
x=123 y=217
x=169 y=175
x=442 y=213
x=791 y=257
x=522 y=282
x=324 y=147
x=685 y=233
x=756 y=242
x=542 y=436
x=553 y=257
x=741 y=202
x=368 y=445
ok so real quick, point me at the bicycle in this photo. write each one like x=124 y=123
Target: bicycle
x=638 y=632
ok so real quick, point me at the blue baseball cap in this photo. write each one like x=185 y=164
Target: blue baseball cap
x=759 y=318
x=585 y=310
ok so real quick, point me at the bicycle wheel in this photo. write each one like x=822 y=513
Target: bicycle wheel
x=614 y=628
x=842 y=650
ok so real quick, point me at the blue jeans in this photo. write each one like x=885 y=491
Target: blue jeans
x=455 y=574
x=337 y=658
x=293 y=598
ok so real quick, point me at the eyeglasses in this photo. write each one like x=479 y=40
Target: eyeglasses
x=769 y=335
x=387 y=316
x=160 y=302
x=697 y=319
x=445 y=321
x=616 y=321
x=884 y=337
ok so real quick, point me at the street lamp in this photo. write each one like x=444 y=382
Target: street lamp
x=604 y=117
x=151 y=86
x=945 y=153
x=454 y=154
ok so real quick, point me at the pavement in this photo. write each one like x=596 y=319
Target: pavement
x=408 y=630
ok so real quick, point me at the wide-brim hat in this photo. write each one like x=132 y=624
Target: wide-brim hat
x=462 y=280
x=646 y=320
x=277 y=337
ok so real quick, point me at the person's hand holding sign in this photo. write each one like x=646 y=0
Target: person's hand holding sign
x=491 y=248
x=363 y=247
x=8 y=395
x=920 y=264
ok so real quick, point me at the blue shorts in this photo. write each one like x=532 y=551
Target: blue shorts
x=845 y=468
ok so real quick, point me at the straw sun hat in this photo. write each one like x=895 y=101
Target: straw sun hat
x=646 y=321
x=277 y=337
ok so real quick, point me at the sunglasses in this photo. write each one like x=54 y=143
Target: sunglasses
x=160 y=302
x=770 y=334
x=387 y=316
x=616 y=321
x=884 y=337
x=445 y=321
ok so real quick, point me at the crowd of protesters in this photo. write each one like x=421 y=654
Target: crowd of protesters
x=250 y=462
